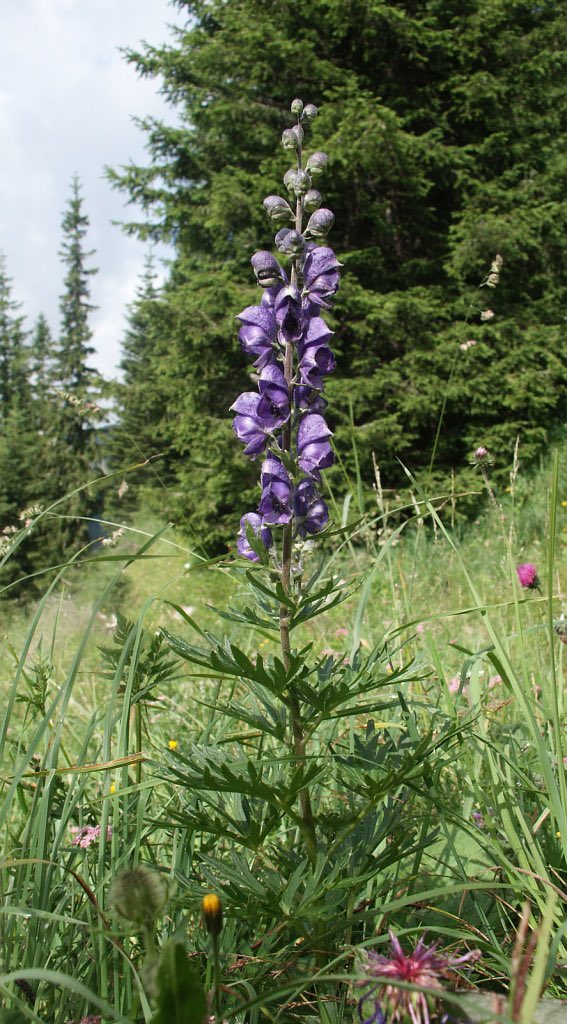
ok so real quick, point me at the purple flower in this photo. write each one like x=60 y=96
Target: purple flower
x=320 y=275
x=266 y=268
x=274 y=393
x=313 y=445
x=88 y=834
x=527 y=575
x=425 y=966
x=242 y=544
x=258 y=333
x=254 y=422
x=311 y=512
x=315 y=356
x=276 y=503
x=305 y=397
x=289 y=314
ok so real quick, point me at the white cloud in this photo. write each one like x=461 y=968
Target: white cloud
x=67 y=99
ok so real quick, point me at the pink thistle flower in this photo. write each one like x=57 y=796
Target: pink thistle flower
x=425 y=967
x=88 y=834
x=527 y=575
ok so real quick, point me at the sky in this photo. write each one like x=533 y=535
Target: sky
x=67 y=100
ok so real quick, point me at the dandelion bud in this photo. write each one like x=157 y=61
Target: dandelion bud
x=297 y=107
x=291 y=139
x=309 y=112
x=312 y=200
x=317 y=163
x=138 y=895
x=321 y=223
x=290 y=242
x=266 y=268
x=277 y=208
x=212 y=913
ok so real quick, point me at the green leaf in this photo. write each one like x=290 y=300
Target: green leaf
x=181 y=997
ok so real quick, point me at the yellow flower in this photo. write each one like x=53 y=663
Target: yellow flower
x=558 y=835
x=564 y=504
x=212 y=913
x=112 y=789
x=172 y=744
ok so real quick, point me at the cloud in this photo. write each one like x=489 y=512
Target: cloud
x=67 y=99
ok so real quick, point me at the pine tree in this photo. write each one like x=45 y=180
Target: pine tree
x=444 y=125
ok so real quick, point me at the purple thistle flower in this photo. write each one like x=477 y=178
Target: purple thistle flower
x=259 y=331
x=265 y=535
x=527 y=575
x=315 y=356
x=313 y=445
x=320 y=275
x=311 y=512
x=276 y=503
x=425 y=966
x=254 y=422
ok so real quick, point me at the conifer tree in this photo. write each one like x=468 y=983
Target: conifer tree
x=445 y=123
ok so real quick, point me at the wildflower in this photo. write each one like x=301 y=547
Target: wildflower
x=313 y=445
x=172 y=744
x=425 y=966
x=527 y=575
x=112 y=789
x=465 y=345
x=487 y=314
x=310 y=510
x=478 y=819
x=454 y=684
x=276 y=503
x=341 y=631
x=481 y=457
x=212 y=913
x=564 y=504
x=88 y=834
x=253 y=520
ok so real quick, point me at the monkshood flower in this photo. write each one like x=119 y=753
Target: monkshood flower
x=276 y=503
x=313 y=446
x=383 y=1002
x=262 y=532
x=305 y=397
x=258 y=333
x=311 y=512
x=315 y=356
x=527 y=576
x=254 y=422
x=289 y=314
x=320 y=275
x=274 y=404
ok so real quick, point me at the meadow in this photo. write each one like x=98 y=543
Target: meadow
x=145 y=727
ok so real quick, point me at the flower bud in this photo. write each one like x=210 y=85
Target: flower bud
x=297 y=107
x=290 y=139
x=309 y=112
x=212 y=913
x=321 y=222
x=266 y=268
x=300 y=183
x=138 y=895
x=277 y=208
x=289 y=241
x=288 y=178
x=317 y=163
x=312 y=201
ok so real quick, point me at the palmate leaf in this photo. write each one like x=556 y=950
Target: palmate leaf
x=181 y=998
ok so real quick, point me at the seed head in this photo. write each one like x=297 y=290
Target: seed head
x=139 y=894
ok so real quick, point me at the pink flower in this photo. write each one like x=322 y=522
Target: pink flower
x=88 y=834
x=454 y=684
x=341 y=631
x=527 y=575
x=425 y=966
x=420 y=628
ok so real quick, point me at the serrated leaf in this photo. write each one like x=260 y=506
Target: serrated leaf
x=181 y=997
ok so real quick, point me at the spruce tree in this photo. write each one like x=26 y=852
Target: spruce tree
x=444 y=122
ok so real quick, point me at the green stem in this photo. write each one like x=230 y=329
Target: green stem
x=216 y=979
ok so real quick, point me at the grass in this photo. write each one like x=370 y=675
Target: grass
x=466 y=723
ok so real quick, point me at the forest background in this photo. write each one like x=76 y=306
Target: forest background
x=445 y=122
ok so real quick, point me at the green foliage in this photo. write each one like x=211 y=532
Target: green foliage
x=181 y=999
x=443 y=123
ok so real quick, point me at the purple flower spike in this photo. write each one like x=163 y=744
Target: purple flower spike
x=311 y=511
x=276 y=504
x=315 y=356
x=258 y=333
x=274 y=392
x=243 y=547
x=321 y=275
x=253 y=422
x=527 y=575
x=289 y=314
x=313 y=447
